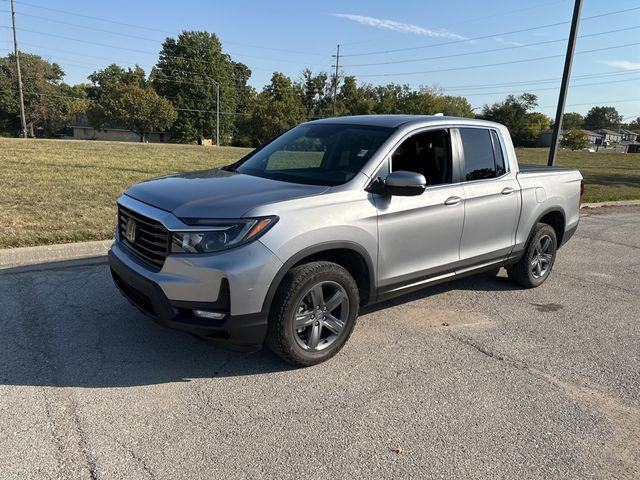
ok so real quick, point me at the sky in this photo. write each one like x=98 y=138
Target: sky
x=481 y=49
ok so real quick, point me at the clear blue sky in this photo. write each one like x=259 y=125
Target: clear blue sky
x=288 y=36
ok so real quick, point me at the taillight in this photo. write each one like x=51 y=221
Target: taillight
x=581 y=190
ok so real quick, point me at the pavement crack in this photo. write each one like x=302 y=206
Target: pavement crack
x=619 y=457
x=480 y=348
x=142 y=462
x=595 y=282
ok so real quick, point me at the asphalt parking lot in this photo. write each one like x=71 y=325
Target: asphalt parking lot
x=472 y=379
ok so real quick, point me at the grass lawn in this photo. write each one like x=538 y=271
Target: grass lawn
x=607 y=175
x=54 y=191
x=58 y=191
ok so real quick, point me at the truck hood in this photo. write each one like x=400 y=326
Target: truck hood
x=216 y=193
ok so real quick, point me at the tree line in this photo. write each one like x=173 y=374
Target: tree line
x=180 y=95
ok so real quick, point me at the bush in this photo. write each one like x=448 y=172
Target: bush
x=575 y=139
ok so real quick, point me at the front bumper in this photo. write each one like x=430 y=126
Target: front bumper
x=146 y=290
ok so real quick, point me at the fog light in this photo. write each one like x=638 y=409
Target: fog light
x=209 y=315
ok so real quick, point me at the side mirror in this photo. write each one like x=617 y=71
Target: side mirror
x=405 y=184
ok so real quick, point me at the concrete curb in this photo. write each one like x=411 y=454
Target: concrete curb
x=621 y=203
x=52 y=256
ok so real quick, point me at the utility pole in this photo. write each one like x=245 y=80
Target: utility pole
x=23 y=122
x=217 y=114
x=566 y=74
x=335 y=78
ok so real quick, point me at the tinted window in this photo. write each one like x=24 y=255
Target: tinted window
x=318 y=154
x=479 y=161
x=497 y=153
x=428 y=153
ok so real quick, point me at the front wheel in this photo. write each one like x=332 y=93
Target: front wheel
x=537 y=261
x=313 y=313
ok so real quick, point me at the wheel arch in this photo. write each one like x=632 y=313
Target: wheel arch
x=353 y=257
x=556 y=219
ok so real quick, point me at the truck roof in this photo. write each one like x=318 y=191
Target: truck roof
x=395 y=121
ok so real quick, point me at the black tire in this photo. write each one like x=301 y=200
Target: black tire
x=292 y=304
x=531 y=270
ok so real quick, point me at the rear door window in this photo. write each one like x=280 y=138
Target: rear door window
x=483 y=156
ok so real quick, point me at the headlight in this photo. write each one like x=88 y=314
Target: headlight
x=215 y=235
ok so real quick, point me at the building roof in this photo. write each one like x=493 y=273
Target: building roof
x=589 y=132
x=608 y=132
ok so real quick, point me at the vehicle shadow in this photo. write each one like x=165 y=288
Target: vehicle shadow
x=481 y=282
x=69 y=327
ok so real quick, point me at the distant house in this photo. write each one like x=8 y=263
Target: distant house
x=545 y=137
x=628 y=136
x=610 y=136
x=83 y=130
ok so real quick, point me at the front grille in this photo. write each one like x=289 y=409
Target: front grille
x=151 y=242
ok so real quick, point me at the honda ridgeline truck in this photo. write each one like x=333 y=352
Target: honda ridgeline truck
x=284 y=246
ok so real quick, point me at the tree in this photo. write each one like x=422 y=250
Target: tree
x=455 y=106
x=278 y=107
x=123 y=98
x=634 y=125
x=513 y=112
x=246 y=103
x=353 y=99
x=142 y=110
x=575 y=139
x=602 y=117
x=47 y=100
x=187 y=72
x=572 y=120
x=317 y=93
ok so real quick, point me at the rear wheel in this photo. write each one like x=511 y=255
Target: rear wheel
x=313 y=313
x=537 y=261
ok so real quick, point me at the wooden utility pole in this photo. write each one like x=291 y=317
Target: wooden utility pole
x=335 y=79
x=23 y=122
x=566 y=74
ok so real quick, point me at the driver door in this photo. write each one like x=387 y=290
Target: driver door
x=419 y=236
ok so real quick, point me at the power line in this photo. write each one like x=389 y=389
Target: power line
x=483 y=37
x=596 y=102
x=497 y=64
x=552 y=88
x=491 y=50
x=72 y=97
x=111 y=60
x=542 y=80
x=148 y=52
x=142 y=27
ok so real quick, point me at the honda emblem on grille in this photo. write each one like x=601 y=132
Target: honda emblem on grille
x=130 y=230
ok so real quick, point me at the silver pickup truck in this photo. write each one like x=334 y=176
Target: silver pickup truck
x=284 y=246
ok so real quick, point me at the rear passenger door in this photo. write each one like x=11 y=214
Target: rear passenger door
x=492 y=198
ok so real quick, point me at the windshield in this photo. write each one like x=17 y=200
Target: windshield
x=317 y=154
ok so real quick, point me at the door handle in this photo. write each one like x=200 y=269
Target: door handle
x=453 y=201
x=508 y=191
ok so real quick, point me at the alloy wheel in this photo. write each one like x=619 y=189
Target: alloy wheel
x=321 y=316
x=542 y=257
